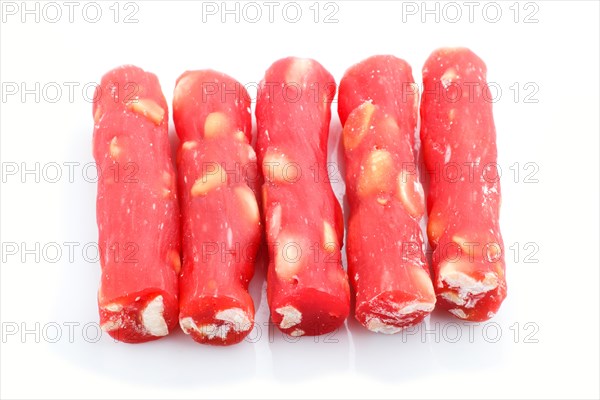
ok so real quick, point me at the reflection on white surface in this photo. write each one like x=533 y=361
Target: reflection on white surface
x=440 y=344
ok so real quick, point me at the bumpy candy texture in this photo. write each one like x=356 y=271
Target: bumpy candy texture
x=307 y=289
x=386 y=260
x=459 y=145
x=137 y=210
x=221 y=227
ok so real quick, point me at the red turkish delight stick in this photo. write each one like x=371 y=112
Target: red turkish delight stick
x=386 y=260
x=459 y=146
x=307 y=288
x=221 y=220
x=136 y=208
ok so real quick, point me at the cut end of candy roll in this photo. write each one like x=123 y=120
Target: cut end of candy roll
x=310 y=313
x=469 y=291
x=218 y=321
x=391 y=311
x=139 y=317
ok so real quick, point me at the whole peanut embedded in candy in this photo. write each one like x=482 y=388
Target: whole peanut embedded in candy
x=463 y=224
x=307 y=288
x=221 y=221
x=138 y=215
x=386 y=262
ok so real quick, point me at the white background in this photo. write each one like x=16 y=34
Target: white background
x=548 y=324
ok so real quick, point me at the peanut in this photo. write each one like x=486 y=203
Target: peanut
x=208 y=182
x=247 y=200
x=330 y=242
x=357 y=125
x=114 y=148
x=175 y=260
x=410 y=193
x=375 y=173
x=288 y=256
x=149 y=109
x=278 y=168
x=216 y=124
